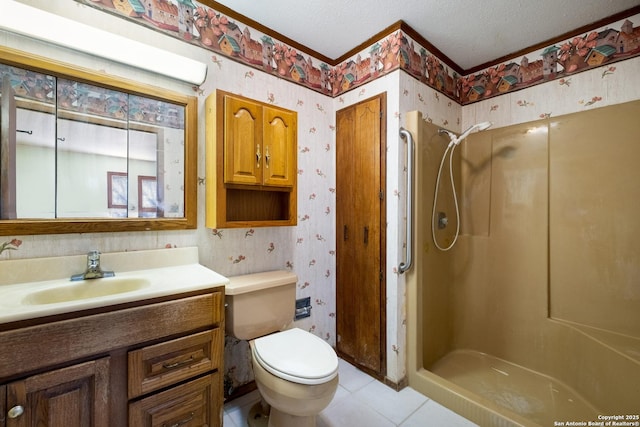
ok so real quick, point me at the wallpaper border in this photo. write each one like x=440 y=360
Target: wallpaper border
x=204 y=26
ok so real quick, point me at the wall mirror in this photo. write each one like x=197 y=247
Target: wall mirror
x=86 y=152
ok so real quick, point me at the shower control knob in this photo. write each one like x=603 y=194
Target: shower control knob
x=443 y=221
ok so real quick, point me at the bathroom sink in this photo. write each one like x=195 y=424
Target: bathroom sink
x=41 y=287
x=87 y=289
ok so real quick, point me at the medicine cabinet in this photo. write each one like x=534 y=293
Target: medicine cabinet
x=83 y=151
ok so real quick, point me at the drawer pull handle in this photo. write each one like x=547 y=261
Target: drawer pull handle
x=267 y=156
x=258 y=156
x=181 y=422
x=176 y=364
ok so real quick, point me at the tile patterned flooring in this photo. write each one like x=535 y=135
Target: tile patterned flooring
x=362 y=401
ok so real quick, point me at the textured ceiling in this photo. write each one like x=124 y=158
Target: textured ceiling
x=469 y=32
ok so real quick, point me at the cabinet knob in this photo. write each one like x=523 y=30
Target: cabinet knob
x=15 y=412
x=267 y=156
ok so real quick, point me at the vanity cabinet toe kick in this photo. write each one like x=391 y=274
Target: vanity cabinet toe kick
x=153 y=363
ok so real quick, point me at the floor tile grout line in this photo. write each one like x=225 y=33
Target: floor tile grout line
x=414 y=411
x=363 y=401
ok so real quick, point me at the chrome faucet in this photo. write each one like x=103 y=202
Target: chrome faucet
x=93 y=268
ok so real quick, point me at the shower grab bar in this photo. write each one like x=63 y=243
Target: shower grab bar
x=406 y=265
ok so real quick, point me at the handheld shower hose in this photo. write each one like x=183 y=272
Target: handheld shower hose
x=454 y=142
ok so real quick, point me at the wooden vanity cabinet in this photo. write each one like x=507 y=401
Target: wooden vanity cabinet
x=151 y=363
x=251 y=163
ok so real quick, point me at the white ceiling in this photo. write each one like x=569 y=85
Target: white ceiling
x=469 y=32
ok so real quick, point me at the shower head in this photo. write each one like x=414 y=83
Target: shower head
x=456 y=140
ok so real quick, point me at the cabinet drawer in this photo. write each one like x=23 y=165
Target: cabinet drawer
x=187 y=405
x=160 y=365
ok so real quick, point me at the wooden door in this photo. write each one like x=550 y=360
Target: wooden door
x=242 y=141
x=77 y=396
x=279 y=147
x=360 y=227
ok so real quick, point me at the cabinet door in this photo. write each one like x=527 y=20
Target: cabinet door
x=243 y=155
x=280 y=148
x=194 y=404
x=77 y=396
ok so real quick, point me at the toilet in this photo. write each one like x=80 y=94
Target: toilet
x=296 y=371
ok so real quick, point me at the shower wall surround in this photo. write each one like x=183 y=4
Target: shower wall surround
x=308 y=248
x=544 y=274
x=594 y=227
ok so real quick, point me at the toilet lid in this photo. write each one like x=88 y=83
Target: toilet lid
x=297 y=356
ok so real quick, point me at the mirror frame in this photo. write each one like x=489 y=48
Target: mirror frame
x=94 y=225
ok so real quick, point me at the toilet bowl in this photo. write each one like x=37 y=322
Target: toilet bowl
x=297 y=375
x=296 y=371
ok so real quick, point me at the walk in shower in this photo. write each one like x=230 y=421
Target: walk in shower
x=533 y=317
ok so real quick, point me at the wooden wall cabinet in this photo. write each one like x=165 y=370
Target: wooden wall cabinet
x=251 y=163
x=158 y=363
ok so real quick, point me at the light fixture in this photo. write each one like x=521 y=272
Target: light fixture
x=39 y=24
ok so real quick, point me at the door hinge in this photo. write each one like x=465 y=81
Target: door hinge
x=381 y=275
x=381 y=194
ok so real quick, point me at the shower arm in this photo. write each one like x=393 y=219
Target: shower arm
x=406 y=265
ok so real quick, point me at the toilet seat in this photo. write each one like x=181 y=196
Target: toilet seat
x=297 y=356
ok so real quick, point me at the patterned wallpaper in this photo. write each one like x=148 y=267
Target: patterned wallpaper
x=308 y=248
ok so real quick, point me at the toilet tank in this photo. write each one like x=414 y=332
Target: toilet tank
x=260 y=303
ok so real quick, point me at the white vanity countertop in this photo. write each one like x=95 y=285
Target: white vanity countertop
x=167 y=271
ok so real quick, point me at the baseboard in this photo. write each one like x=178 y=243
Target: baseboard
x=397 y=386
x=240 y=391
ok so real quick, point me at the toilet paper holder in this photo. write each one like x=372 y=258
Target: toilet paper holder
x=303 y=308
